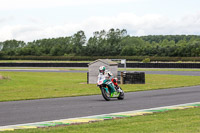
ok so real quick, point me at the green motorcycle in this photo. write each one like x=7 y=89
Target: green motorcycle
x=109 y=91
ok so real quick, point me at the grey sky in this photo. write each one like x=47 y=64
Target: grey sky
x=30 y=20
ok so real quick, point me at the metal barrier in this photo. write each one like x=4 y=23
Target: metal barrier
x=131 y=77
x=128 y=65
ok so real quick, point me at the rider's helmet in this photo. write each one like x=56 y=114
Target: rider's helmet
x=102 y=69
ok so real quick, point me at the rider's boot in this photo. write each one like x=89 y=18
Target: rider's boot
x=117 y=88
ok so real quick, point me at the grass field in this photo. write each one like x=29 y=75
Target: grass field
x=36 y=85
x=178 y=121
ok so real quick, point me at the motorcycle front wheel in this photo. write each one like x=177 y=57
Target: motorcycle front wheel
x=105 y=94
x=121 y=95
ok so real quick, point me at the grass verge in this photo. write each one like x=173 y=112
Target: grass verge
x=37 y=85
x=178 y=121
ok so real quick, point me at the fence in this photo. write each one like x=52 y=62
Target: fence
x=128 y=65
x=131 y=77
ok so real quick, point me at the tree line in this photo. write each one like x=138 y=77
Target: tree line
x=114 y=42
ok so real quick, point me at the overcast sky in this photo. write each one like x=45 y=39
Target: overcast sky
x=30 y=20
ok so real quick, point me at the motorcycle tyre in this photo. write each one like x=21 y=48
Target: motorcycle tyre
x=103 y=91
x=121 y=95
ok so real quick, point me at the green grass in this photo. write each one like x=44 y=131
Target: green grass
x=178 y=121
x=36 y=85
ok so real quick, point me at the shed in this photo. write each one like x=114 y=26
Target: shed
x=94 y=69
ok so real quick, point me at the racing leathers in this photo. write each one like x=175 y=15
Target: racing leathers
x=106 y=80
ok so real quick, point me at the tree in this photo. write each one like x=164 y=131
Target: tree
x=78 y=40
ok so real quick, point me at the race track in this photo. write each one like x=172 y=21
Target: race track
x=19 y=112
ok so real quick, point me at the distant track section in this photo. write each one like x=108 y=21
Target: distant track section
x=189 y=73
x=43 y=64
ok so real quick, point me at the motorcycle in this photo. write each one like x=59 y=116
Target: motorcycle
x=108 y=92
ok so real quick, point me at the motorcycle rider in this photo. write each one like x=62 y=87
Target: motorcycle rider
x=107 y=76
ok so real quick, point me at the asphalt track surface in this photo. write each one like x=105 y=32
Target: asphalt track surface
x=19 y=112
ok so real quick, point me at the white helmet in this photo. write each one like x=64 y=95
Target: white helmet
x=102 y=69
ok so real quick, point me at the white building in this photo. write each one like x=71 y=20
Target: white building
x=94 y=69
